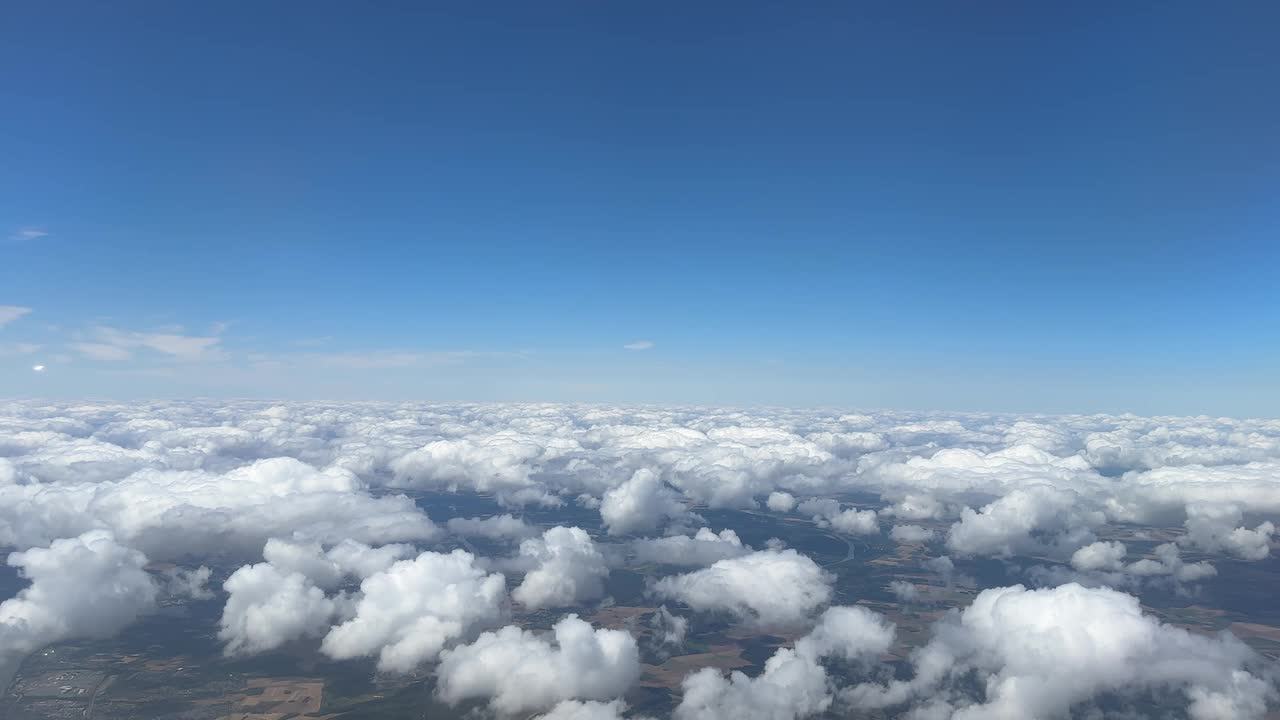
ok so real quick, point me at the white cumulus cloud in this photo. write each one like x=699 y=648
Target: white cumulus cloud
x=87 y=586
x=519 y=671
x=567 y=569
x=640 y=504
x=769 y=588
x=409 y=612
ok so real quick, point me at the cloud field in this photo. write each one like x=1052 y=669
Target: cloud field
x=314 y=504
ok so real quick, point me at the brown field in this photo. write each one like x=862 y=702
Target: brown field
x=1244 y=629
x=670 y=673
x=1195 y=618
x=279 y=699
x=168 y=664
x=1263 y=638
x=617 y=617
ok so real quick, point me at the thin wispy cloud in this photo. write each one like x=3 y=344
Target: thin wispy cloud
x=21 y=348
x=24 y=234
x=638 y=345
x=102 y=351
x=9 y=313
x=114 y=344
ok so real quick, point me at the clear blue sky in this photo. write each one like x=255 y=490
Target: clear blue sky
x=1021 y=206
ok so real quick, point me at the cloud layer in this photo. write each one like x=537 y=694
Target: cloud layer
x=317 y=506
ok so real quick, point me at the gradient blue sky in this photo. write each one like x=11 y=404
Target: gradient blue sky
x=1001 y=206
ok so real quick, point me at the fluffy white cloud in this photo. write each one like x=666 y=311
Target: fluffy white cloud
x=588 y=710
x=916 y=506
x=1164 y=493
x=794 y=683
x=847 y=444
x=783 y=502
x=356 y=558
x=497 y=527
x=328 y=569
x=640 y=504
x=1138 y=444
x=855 y=522
x=1168 y=561
x=1102 y=563
x=770 y=588
x=169 y=514
x=502 y=463
x=923 y=465
x=82 y=587
x=1215 y=528
x=1034 y=520
x=1038 y=653
x=827 y=513
x=519 y=671
x=1099 y=556
x=307 y=559
x=566 y=569
x=267 y=607
x=704 y=548
x=728 y=465
x=908 y=534
x=409 y=612
x=174 y=479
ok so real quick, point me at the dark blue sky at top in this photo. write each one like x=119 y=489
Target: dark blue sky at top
x=1004 y=205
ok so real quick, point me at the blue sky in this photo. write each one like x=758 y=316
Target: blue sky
x=1009 y=206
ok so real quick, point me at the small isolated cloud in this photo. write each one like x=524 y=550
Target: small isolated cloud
x=638 y=345
x=497 y=527
x=37 y=368
x=9 y=313
x=782 y=502
x=908 y=534
x=28 y=233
